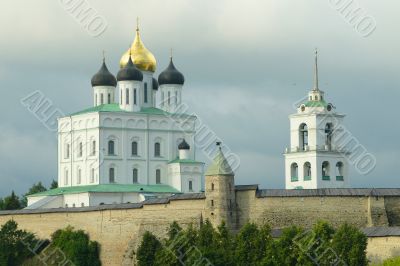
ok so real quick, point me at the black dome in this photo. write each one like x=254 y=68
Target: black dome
x=171 y=75
x=183 y=145
x=129 y=72
x=103 y=77
x=155 y=84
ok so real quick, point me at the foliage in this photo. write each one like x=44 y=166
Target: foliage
x=11 y=202
x=16 y=245
x=392 y=262
x=54 y=184
x=76 y=247
x=254 y=245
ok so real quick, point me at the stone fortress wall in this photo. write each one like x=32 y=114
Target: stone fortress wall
x=118 y=228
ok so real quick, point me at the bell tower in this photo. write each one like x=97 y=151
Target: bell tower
x=315 y=159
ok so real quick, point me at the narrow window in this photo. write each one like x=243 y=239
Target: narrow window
x=212 y=186
x=134 y=96
x=307 y=171
x=157 y=149
x=316 y=97
x=303 y=136
x=162 y=98
x=328 y=135
x=112 y=175
x=325 y=170
x=176 y=97
x=212 y=203
x=135 y=175
x=120 y=98
x=158 y=176
x=95 y=99
x=92 y=176
x=127 y=96
x=79 y=176
x=134 y=148
x=109 y=98
x=294 y=175
x=145 y=92
x=169 y=98
x=82 y=204
x=80 y=149
x=66 y=177
x=101 y=98
x=190 y=185
x=93 y=147
x=67 y=151
x=111 y=150
x=339 y=171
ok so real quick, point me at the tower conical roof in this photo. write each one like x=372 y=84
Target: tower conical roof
x=220 y=165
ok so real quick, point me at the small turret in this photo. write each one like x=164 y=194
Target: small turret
x=103 y=83
x=220 y=192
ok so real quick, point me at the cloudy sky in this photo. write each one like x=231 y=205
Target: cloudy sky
x=245 y=62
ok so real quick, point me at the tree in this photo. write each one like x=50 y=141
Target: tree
x=1 y=204
x=36 y=188
x=11 y=202
x=15 y=245
x=54 y=184
x=350 y=245
x=248 y=243
x=146 y=253
x=77 y=247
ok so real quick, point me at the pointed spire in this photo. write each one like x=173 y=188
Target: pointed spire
x=137 y=23
x=104 y=56
x=316 y=88
x=220 y=165
x=170 y=54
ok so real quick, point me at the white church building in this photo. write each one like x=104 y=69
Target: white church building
x=315 y=159
x=124 y=149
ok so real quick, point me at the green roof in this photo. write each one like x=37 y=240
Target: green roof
x=219 y=166
x=114 y=107
x=109 y=188
x=321 y=103
x=177 y=160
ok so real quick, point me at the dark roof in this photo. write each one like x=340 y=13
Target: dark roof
x=129 y=72
x=155 y=84
x=381 y=231
x=328 y=192
x=122 y=206
x=171 y=75
x=246 y=187
x=103 y=77
x=184 y=145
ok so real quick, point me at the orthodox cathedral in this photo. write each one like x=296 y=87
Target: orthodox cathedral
x=124 y=149
x=134 y=144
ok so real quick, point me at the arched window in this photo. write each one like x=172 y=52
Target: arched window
x=339 y=171
x=325 y=170
x=109 y=98
x=328 y=135
x=79 y=179
x=158 y=176
x=303 y=136
x=112 y=175
x=134 y=148
x=176 y=97
x=95 y=99
x=111 y=147
x=307 y=171
x=80 y=149
x=135 y=175
x=212 y=186
x=316 y=97
x=294 y=172
x=157 y=149
x=127 y=96
x=67 y=151
x=169 y=97
x=101 y=98
x=145 y=92
x=162 y=98
x=190 y=185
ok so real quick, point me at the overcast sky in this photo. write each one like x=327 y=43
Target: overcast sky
x=245 y=63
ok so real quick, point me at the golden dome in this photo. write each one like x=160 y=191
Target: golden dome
x=141 y=57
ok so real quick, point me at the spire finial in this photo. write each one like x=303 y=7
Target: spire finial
x=316 y=71
x=104 y=56
x=137 y=23
x=170 y=53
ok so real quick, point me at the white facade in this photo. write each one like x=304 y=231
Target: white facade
x=315 y=159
